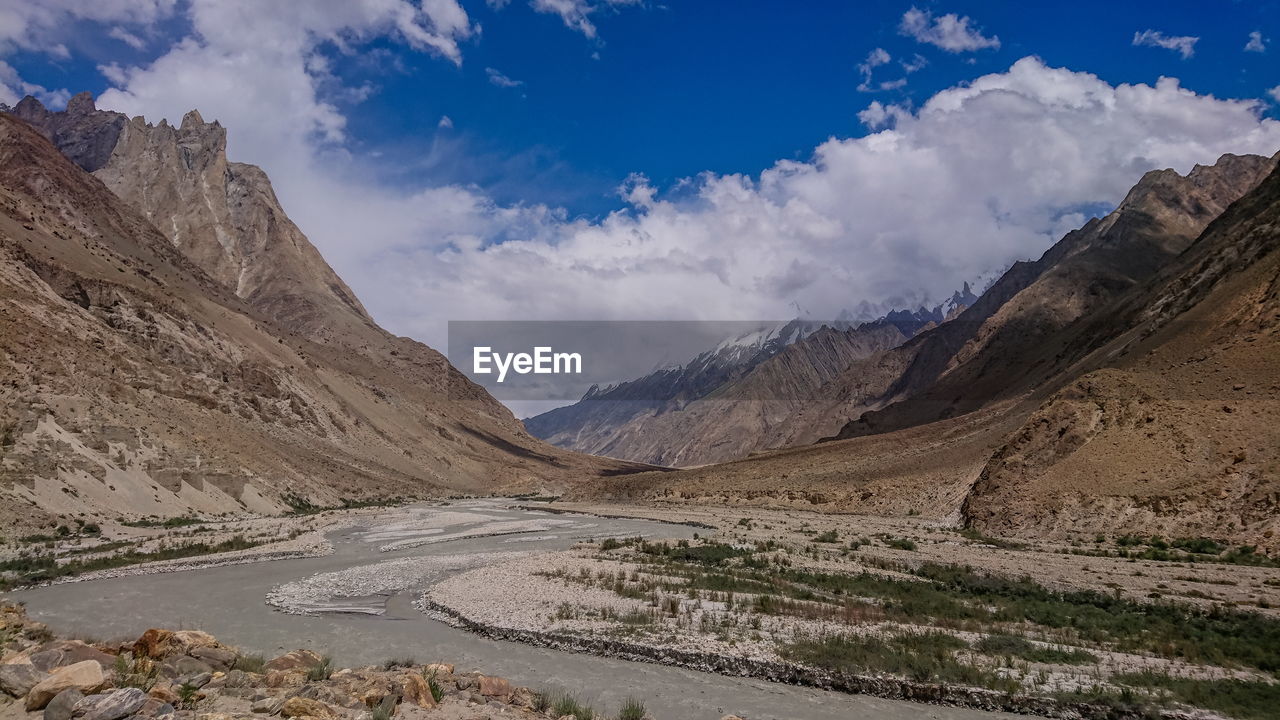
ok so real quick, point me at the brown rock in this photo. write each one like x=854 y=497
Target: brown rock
x=286 y=678
x=58 y=654
x=438 y=670
x=295 y=660
x=414 y=689
x=495 y=687
x=187 y=641
x=62 y=705
x=84 y=676
x=297 y=707
x=154 y=643
x=165 y=692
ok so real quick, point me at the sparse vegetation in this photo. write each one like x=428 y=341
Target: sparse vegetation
x=322 y=671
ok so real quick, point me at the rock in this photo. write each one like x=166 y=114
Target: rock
x=295 y=660
x=465 y=683
x=154 y=643
x=164 y=692
x=197 y=680
x=112 y=706
x=154 y=708
x=188 y=641
x=84 y=676
x=298 y=707
x=523 y=696
x=60 y=707
x=17 y=678
x=438 y=670
x=280 y=678
x=236 y=679
x=267 y=706
x=183 y=666
x=495 y=687
x=219 y=658
x=414 y=689
x=68 y=652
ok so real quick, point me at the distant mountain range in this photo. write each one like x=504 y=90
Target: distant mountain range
x=746 y=394
x=1126 y=381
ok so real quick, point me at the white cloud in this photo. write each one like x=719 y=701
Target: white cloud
x=1256 y=43
x=40 y=25
x=867 y=67
x=980 y=174
x=13 y=88
x=949 y=32
x=446 y=122
x=127 y=38
x=1275 y=93
x=1183 y=44
x=497 y=78
x=574 y=13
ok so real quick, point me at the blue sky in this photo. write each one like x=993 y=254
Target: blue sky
x=693 y=86
x=689 y=159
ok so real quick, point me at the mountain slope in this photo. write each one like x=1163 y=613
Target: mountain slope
x=1173 y=425
x=1017 y=337
x=1126 y=383
x=728 y=403
x=137 y=384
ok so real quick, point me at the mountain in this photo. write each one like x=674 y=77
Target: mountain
x=150 y=373
x=745 y=395
x=1123 y=383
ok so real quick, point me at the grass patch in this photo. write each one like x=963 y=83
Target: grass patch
x=632 y=709
x=46 y=569
x=923 y=657
x=250 y=664
x=1014 y=646
x=1246 y=700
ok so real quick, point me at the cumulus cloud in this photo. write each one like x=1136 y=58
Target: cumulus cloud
x=497 y=78
x=949 y=32
x=867 y=67
x=978 y=175
x=1275 y=93
x=1182 y=44
x=1256 y=43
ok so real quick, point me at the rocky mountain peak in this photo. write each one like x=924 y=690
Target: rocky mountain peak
x=81 y=104
x=224 y=216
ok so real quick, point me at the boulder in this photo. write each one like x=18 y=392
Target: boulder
x=267 y=706
x=188 y=641
x=50 y=656
x=111 y=706
x=61 y=706
x=297 y=707
x=198 y=680
x=218 y=658
x=414 y=689
x=438 y=670
x=182 y=666
x=154 y=643
x=282 y=678
x=165 y=692
x=85 y=676
x=153 y=708
x=19 y=676
x=495 y=687
x=295 y=660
